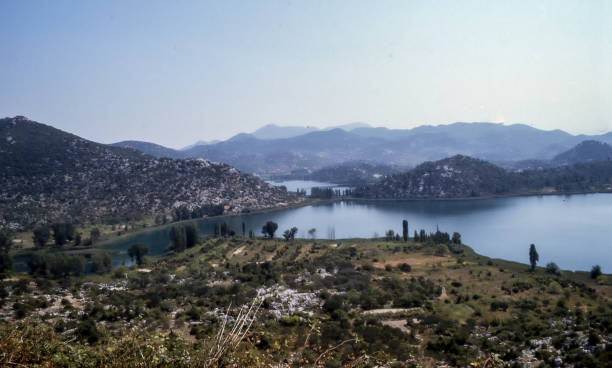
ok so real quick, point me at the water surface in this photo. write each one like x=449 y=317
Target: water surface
x=572 y=231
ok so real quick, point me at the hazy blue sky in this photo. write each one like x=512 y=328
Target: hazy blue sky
x=173 y=72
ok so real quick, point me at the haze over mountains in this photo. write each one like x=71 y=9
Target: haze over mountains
x=274 y=150
x=49 y=174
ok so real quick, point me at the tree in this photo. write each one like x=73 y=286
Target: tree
x=137 y=253
x=269 y=229
x=312 y=233
x=595 y=272
x=422 y=235
x=78 y=239
x=533 y=256
x=289 y=234
x=101 y=263
x=41 y=236
x=63 y=233
x=405 y=229
x=456 y=238
x=178 y=237
x=56 y=266
x=223 y=229
x=192 y=234
x=416 y=236
x=94 y=234
x=390 y=234
x=243 y=229
x=6 y=262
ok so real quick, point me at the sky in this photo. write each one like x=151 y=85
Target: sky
x=173 y=72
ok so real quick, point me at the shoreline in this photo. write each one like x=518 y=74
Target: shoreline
x=107 y=244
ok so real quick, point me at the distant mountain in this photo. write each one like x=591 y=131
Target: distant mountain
x=587 y=151
x=316 y=150
x=272 y=131
x=466 y=177
x=152 y=149
x=490 y=141
x=349 y=127
x=50 y=175
x=199 y=143
x=355 y=173
x=281 y=156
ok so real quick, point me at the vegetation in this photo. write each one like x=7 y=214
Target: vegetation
x=289 y=234
x=354 y=302
x=533 y=256
x=137 y=253
x=355 y=173
x=269 y=229
x=6 y=261
x=466 y=177
x=184 y=236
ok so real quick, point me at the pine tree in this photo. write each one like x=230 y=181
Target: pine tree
x=533 y=256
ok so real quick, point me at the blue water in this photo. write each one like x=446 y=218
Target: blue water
x=573 y=231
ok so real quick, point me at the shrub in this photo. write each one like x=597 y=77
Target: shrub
x=496 y=306
x=595 y=272
x=405 y=267
x=290 y=320
x=552 y=268
x=87 y=331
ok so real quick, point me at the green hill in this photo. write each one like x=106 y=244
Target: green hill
x=466 y=177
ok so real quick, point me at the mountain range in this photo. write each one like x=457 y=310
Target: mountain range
x=586 y=151
x=50 y=175
x=272 y=150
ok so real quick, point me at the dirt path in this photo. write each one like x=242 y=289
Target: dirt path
x=389 y=310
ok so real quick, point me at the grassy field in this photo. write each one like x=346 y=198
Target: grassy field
x=349 y=302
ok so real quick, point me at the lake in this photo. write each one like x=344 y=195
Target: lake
x=572 y=231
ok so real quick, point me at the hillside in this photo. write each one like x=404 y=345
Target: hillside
x=587 y=151
x=152 y=149
x=49 y=175
x=386 y=303
x=466 y=177
x=354 y=173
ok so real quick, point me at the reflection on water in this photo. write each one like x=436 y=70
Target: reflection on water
x=573 y=231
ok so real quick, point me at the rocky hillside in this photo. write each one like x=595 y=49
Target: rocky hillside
x=454 y=177
x=465 y=177
x=49 y=175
